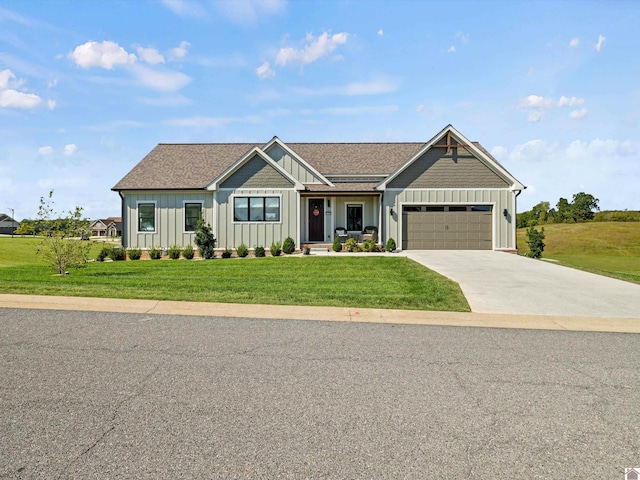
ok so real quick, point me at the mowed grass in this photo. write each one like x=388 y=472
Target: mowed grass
x=607 y=248
x=346 y=281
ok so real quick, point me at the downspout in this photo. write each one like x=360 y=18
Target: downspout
x=515 y=223
x=124 y=230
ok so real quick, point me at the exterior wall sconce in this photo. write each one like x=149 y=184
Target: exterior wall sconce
x=505 y=213
x=391 y=211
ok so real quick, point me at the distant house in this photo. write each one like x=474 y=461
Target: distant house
x=445 y=193
x=106 y=227
x=7 y=224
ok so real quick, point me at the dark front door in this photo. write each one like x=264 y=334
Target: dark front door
x=316 y=219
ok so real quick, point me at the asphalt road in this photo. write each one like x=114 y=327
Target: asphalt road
x=101 y=395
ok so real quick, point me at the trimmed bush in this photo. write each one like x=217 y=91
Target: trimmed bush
x=104 y=253
x=258 y=251
x=226 y=253
x=174 y=252
x=370 y=246
x=155 y=253
x=118 y=254
x=391 y=245
x=288 y=246
x=242 y=250
x=337 y=244
x=188 y=252
x=351 y=245
x=134 y=253
x=275 y=249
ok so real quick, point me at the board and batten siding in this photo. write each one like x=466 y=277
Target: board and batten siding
x=437 y=169
x=291 y=165
x=256 y=173
x=499 y=199
x=169 y=217
x=230 y=234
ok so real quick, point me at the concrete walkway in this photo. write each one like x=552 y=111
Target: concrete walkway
x=331 y=314
x=498 y=282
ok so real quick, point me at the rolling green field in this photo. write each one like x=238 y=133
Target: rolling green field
x=362 y=281
x=607 y=248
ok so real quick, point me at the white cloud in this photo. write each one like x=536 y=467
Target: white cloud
x=51 y=104
x=380 y=33
x=463 y=37
x=578 y=113
x=185 y=8
x=314 y=49
x=70 y=149
x=6 y=76
x=420 y=108
x=574 y=42
x=451 y=49
x=46 y=150
x=14 y=99
x=181 y=51
x=499 y=152
x=373 y=87
x=249 y=12
x=535 y=101
x=150 y=55
x=601 y=39
x=535 y=116
x=167 y=80
x=265 y=71
x=105 y=55
x=570 y=102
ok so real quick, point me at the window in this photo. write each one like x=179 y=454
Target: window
x=256 y=209
x=354 y=218
x=481 y=208
x=146 y=217
x=458 y=209
x=192 y=212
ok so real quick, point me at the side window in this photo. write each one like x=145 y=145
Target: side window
x=192 y=212
x=146 y=217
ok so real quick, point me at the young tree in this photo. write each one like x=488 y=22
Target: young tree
x=62 y=246
x=535 y=240
x=205 y=240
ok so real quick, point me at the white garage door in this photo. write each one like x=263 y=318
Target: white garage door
x=447 y=227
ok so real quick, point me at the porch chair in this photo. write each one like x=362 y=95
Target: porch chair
x=370 y=233
x=342 y=233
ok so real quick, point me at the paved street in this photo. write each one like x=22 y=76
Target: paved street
x=105 y=395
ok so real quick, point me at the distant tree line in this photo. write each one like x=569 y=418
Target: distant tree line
x=47 y=227
x=580 y=209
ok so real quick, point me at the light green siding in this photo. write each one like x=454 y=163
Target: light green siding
x=256 y=173
x=169 y=218
x=291 y=165
x=437 y=169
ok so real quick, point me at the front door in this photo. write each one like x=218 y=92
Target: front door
x=316 y=219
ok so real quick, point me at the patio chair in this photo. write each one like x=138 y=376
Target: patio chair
x=342 y=233
x=370 y=233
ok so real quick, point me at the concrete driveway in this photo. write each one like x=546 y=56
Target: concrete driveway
x=497 y=282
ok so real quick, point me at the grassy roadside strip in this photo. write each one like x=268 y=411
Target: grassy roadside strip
x=363 y=282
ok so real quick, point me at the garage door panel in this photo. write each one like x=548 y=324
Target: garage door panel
x=471 y=230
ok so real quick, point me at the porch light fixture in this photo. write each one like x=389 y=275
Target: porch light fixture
x=505 y=213
x=391 y=211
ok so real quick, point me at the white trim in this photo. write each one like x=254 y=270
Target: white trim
x=184 y=214
x=244 y=159
x=494 y=225
x=155 y=217
x=297 y=157
x=498 y=169
x=255 y=222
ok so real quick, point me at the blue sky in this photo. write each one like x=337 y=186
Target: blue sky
x=88 y=88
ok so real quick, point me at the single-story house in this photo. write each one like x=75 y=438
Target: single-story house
x=7 y=224
x=447 y=193
x=106 y=227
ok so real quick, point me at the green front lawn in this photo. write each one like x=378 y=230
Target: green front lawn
x=347 y=281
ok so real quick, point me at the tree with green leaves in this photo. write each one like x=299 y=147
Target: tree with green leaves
x=62 y=246
x=535 y=240
x=583 y=207
x=205 y=240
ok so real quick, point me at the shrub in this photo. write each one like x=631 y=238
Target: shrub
x=155 y=253
x=205 y=240
x=337 y=244
x=351 y=245
x=117 y=254
x=370 y=246
x=226 y=253
x=288 y=246
x=535 y=240
x=104 y=253
x=188 y=252
x=134 y=253
x=275 y=249
x=242 y=250
x=258 y=251
x=174 y=252
x=391 y=245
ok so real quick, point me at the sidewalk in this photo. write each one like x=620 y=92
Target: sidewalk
x=330 y=314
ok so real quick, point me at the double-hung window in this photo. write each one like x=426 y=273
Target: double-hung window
x=146 y=217
x=192 y=212
x=256 y=209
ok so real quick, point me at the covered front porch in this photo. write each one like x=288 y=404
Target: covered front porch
x=321 y=215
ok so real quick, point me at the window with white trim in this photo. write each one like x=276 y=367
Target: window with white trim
x=256 y=209
x=192 y=213
x=146 y=217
